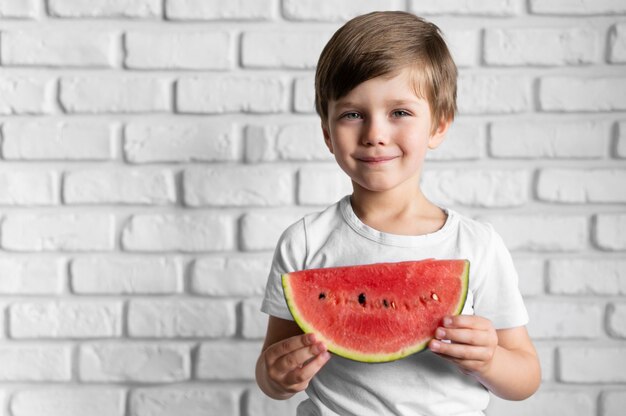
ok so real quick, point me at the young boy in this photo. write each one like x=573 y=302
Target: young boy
x=386 y=94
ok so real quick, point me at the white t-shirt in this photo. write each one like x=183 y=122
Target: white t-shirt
x=421 y=384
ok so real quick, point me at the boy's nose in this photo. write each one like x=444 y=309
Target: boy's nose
x=374 y=134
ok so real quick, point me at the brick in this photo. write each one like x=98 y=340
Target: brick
x=484 y=188
x=186 y=233
x=613 y=402
x=301 y=141
x=329 y=10
x=19 y=9
x=466 y=7
x=56 y=401
x=254 y=322
x=206 y=141
x=182 y=318
x=187 y=400
x=541 y=46
x=238 y=186
x=464 y=141
x=228 y=94
x=592 y=364
x=609 y=231
x=29 y=362
x=493 y=94
x=531 y=276
x=582 y=186
x=620 y=146
x=540 y=139
x=26 y=95
x=29 y=187
x=579 y=7
x=119 y=186
x=109 y=94
x=65 y=319
x=582 y=94
x=220 y=10
x=257 y=403
x=322 y=184
x=304 y=95
x=58 y=232
x=542 y=233
x=178 y=50
x=3 y=334
x=617 y=43
x=616 y=322
x=601 y=276
x=135 y=362
x=551 y=319
x=126 y=275
x=58 y=48
x=58 y=140
x=546 y=402
x=227 y=360
x=230 y=276
x=105 y=8
x=298 y=50
x=261 y=230
x=464 y=46
x=31 y=276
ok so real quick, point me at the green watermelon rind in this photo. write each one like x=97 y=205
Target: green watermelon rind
x=368 y=358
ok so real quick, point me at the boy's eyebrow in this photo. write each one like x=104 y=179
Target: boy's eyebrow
x=343 y=104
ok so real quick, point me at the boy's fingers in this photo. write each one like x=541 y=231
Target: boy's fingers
x=297 y=358
x=467 y=321
x=460 y=351
x=281 y=348
x=306 y=373
x=464 y=336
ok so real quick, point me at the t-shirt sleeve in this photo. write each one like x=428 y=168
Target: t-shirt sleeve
x=497 y=296
x=289 y=256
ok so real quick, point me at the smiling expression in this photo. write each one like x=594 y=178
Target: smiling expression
x=380 y=132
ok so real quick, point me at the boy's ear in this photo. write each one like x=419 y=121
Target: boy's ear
x=327 y=140
x=437 y=137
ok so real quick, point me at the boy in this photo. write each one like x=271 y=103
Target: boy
x=386 y=93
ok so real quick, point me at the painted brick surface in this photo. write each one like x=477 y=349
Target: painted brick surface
x=153 y=151
x=54 y=48
x=65 y=401
x=58 y=140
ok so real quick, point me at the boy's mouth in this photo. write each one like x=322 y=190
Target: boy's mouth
x=376 y=159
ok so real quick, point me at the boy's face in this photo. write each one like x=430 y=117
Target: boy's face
x=380 y=132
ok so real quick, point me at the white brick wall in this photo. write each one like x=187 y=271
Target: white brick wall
x=151 y=152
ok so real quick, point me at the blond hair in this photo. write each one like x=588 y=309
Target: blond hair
x=381 y=43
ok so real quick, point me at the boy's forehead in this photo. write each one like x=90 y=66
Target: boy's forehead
x=395 y=89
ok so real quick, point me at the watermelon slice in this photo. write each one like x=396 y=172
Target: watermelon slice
x=377 y=312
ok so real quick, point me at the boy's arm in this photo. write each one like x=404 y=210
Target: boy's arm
x=504 y=361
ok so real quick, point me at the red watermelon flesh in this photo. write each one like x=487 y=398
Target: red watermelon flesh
x=377 y=312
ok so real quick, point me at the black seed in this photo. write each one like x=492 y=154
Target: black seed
x=385 y=303
x=322 y=295
x=362 y=299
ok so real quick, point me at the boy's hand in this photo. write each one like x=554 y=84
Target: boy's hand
x=291 y=363
x=473 y=346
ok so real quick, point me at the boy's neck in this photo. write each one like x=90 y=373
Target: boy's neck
x=397 y=211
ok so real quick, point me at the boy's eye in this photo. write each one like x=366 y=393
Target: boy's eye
x=351 y=116
x=400 y=113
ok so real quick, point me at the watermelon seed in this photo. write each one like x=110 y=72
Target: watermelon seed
x=385 y=303
x=393 y=304
x=322 y=295
x=435 y=297
x=362 y=299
